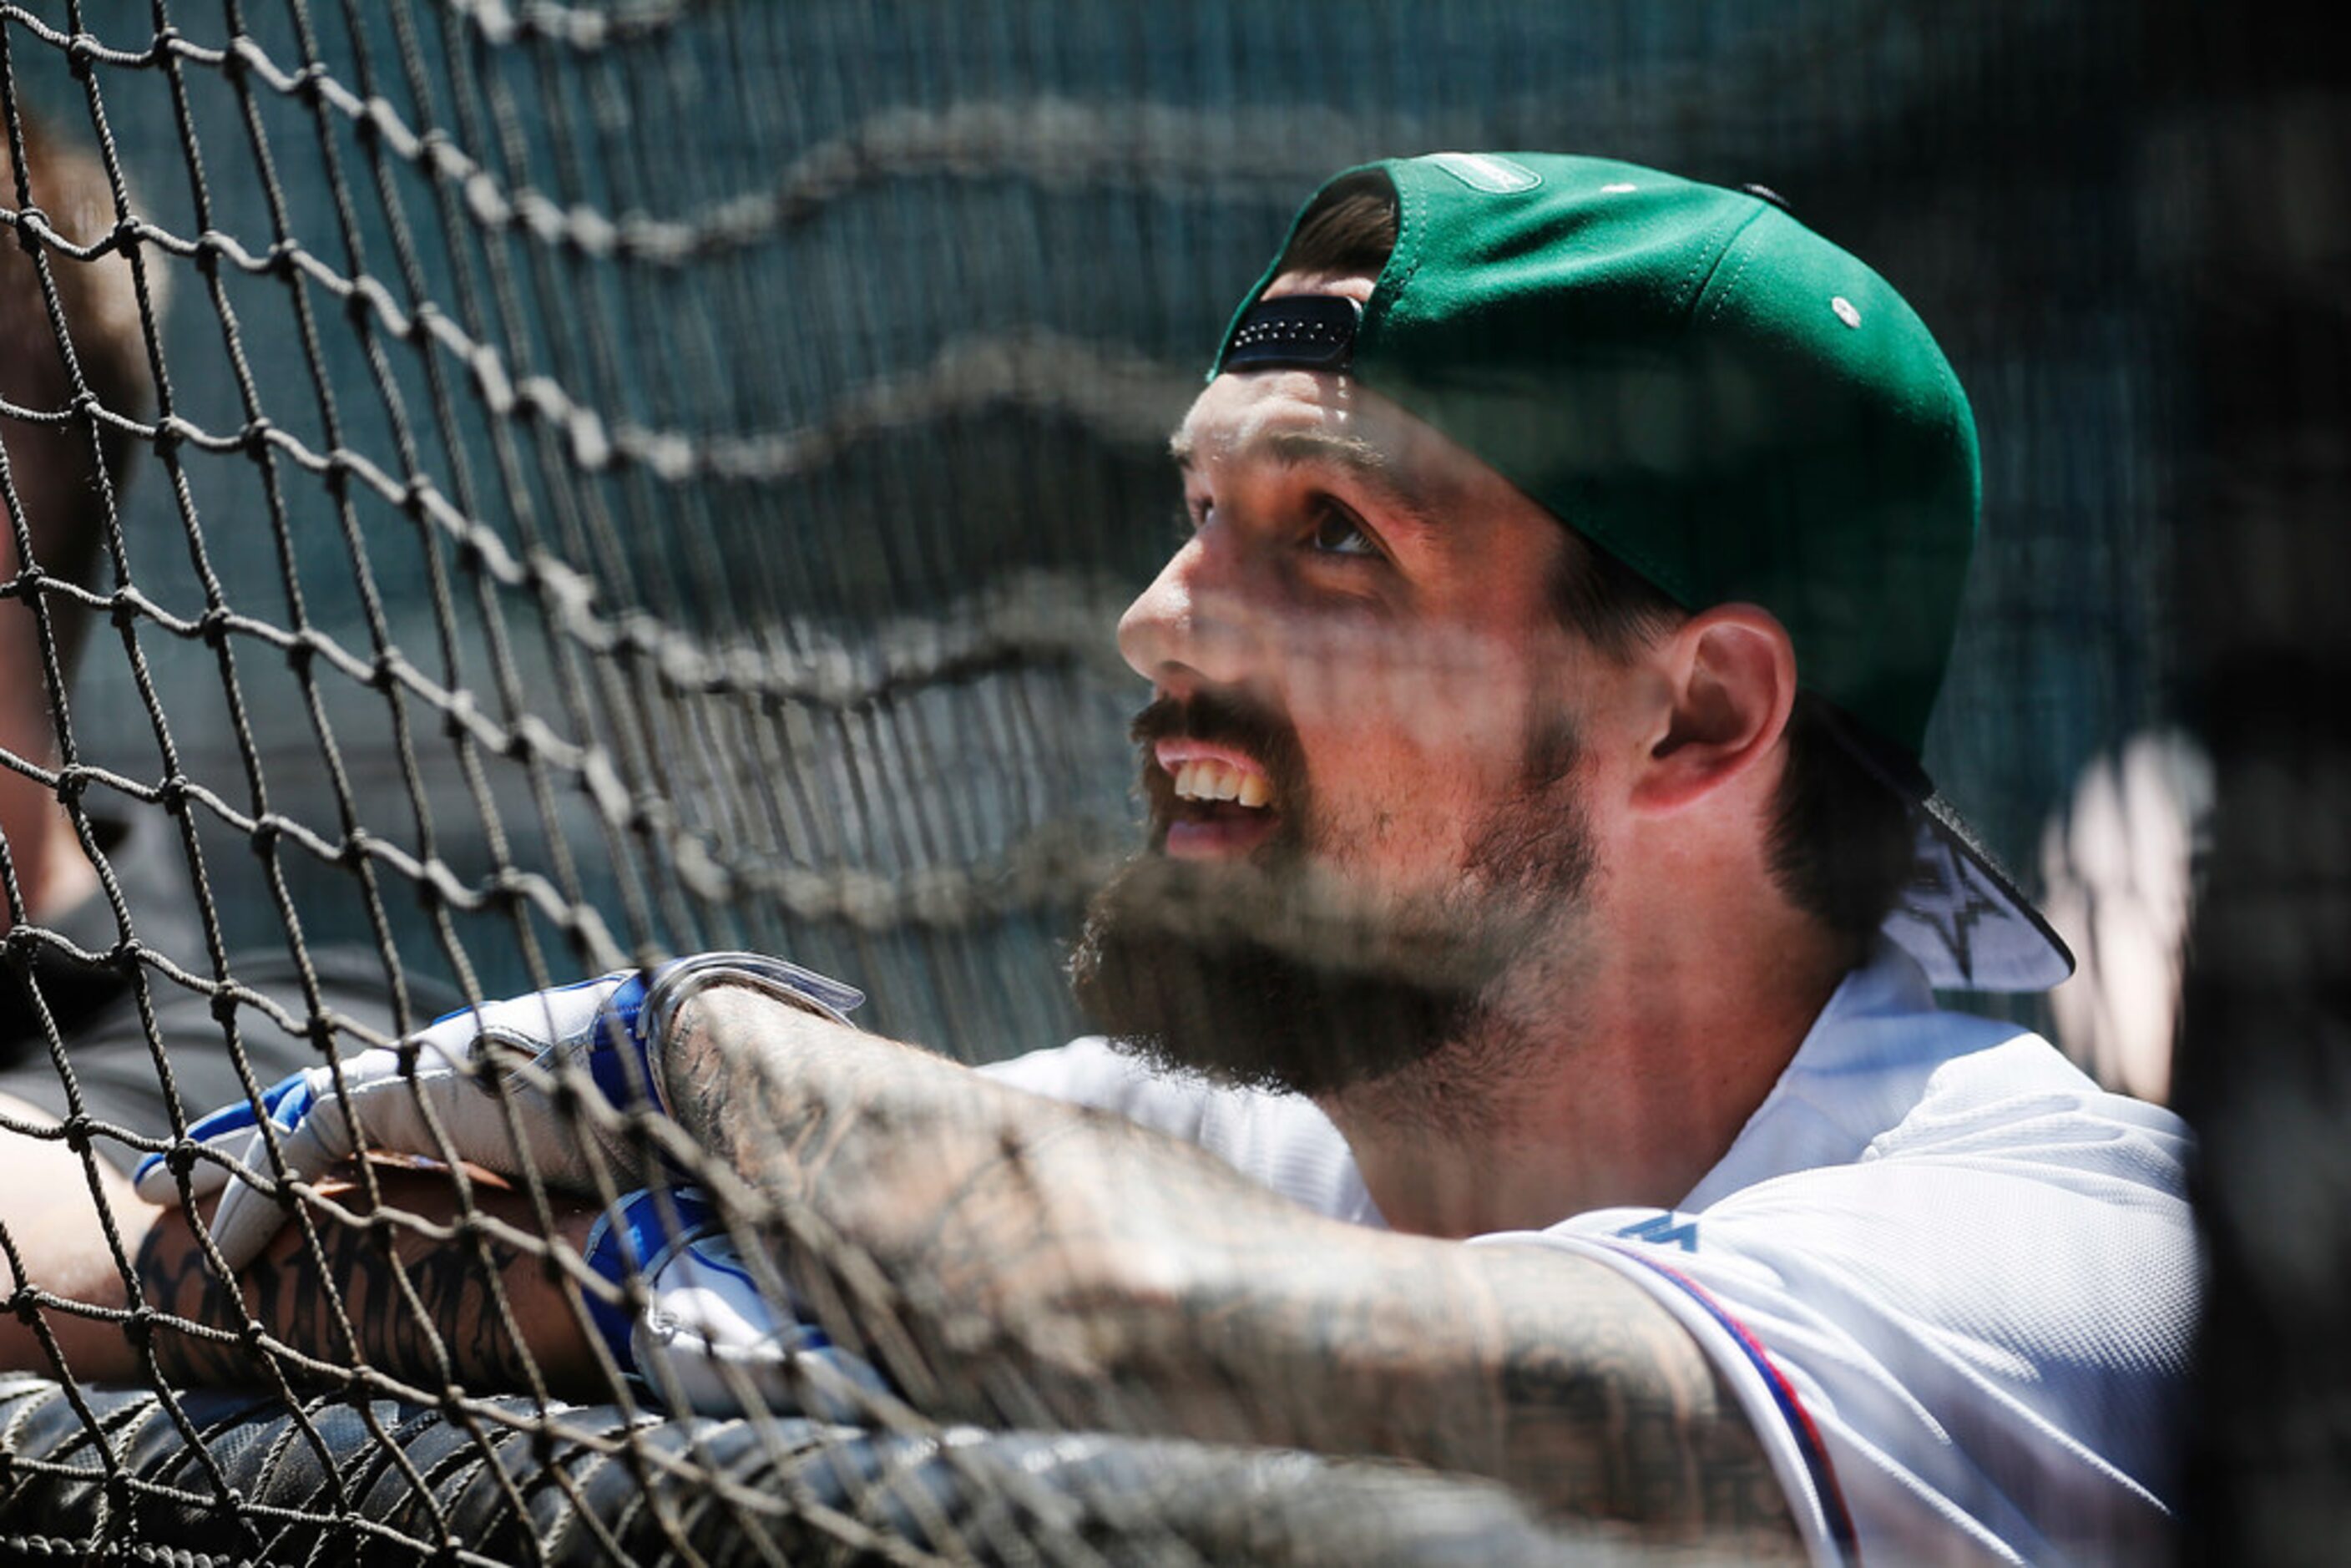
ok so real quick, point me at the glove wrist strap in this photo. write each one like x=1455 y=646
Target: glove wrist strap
x=679 y=982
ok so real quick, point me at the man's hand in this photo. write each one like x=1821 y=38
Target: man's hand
x=708 y=1328
x=515 y=1087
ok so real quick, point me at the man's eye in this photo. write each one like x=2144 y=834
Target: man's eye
x=1336 y=532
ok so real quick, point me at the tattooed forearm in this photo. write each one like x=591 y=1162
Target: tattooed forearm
x=1055 y=1262
x=345 y=1302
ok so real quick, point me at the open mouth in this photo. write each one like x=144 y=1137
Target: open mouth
x=1223 y=802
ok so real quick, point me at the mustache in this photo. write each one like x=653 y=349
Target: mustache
x=1221 y=718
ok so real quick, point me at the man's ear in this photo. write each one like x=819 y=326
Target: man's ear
x=1730 y=682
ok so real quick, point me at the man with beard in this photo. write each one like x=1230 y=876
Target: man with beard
x=1518 y=1052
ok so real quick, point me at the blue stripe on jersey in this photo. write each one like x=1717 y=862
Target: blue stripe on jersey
x=1792 y=1410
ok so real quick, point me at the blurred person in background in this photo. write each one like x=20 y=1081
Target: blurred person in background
x=79 y=980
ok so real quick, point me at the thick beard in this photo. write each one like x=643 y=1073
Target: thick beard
x=1274 y=982
x=1277 y=976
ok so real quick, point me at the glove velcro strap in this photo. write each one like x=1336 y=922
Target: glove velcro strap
x=677 y=982
x=637 y=1242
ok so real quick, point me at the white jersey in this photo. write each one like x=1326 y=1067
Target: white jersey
x=1953 y=1283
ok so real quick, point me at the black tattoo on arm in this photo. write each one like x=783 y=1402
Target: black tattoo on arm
x=345 y=1301
x=1050 y=1262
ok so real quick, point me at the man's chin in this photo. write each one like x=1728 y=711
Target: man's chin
x=1273 y=978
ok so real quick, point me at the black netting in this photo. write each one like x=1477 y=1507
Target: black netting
x=633 y=477
x=596 y=418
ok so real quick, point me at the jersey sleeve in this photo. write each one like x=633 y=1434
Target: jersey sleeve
x=1968 y=1347
x=1279 y=1141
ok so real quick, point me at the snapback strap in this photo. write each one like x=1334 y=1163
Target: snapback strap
x=1302 y=331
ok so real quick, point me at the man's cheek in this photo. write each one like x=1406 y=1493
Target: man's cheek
x=1442 y=699
x=1390 y=833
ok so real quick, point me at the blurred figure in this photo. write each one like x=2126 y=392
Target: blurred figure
x=57 y=492
x=2119 y=865
x=59 y=482
x=60 y=1011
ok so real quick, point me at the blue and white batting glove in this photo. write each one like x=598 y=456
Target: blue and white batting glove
x=710 y=1341
x=468 y=1072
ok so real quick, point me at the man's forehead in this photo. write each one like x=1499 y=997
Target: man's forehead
x=1295 y=419
x=1278 y=414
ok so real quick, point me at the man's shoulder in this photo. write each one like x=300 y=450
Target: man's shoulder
x=1888 y=1073
x=1973 y=1271
x=2020 y=1095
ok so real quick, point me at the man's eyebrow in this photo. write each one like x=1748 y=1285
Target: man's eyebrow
x=1366 y=463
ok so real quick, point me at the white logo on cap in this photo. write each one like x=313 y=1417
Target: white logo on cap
x=1845 y=311
x=1484 y=172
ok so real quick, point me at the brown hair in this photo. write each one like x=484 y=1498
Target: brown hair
x=1841 y=843
x=52 y=467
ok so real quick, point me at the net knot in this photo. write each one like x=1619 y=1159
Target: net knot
x=253 y=439
x=213 y=626
x=223 y=1007
x=457 y=717
x=172 y=794
x=30 y=225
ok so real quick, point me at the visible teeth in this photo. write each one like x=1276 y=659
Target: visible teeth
x=1203 y=778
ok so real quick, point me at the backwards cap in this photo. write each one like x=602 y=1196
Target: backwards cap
x=1730 y=405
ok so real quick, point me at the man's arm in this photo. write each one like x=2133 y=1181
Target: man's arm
x=432 y=1320
x=408 y=1288
x=1048 y=1260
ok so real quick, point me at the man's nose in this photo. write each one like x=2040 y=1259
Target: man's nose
x=1196 y=625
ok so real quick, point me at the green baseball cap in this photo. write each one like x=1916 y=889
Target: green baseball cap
x=1728 y=403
